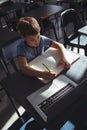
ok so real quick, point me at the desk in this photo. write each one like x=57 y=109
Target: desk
x=20 y=85
x=44 y=11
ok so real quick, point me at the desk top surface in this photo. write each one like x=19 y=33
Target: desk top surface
x=44 y=11
x=20 y=82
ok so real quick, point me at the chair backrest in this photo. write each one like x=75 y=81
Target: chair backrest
x=6 y=3
x=11 y=15
x=70 y=22
x=71 y=15
x=11 y=20
x=8 y=53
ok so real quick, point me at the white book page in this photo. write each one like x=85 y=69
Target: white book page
x=71 y=56
x=51 y=58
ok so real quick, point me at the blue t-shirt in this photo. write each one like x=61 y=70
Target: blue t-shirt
x=31 y=52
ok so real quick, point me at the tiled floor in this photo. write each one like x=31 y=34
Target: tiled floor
x=7 y=113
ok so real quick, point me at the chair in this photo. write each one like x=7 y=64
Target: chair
x=70 y=23
x=11 y=15
x=1 y=16
x=11 y=20
x=79 y=6
x=46 y=26
x=8 y=53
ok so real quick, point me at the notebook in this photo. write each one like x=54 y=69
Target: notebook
x=50 y=59
x=51 y=96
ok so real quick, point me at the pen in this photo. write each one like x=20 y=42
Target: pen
x=46 y=67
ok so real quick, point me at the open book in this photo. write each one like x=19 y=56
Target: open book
x=50 y=59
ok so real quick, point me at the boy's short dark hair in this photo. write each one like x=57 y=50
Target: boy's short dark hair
x=28 y=26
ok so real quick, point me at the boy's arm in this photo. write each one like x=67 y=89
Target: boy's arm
x=24 y=66
x=60 y=47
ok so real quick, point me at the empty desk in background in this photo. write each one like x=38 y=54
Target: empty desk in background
x=44 y=11
x=20 y=85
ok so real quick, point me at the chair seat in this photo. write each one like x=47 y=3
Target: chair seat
x=83 y=41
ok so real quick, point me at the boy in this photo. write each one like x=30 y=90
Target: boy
x=33 y=45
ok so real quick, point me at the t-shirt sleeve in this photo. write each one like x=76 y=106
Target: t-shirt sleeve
x=46 y=41
x=20 y=51
x=25 y=51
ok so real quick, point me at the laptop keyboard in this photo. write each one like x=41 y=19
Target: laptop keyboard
x=45 y=105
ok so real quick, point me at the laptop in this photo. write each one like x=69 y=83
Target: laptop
x=50 y=97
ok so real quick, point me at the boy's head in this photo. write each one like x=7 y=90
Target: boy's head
x=28 y=26
x=30 y=30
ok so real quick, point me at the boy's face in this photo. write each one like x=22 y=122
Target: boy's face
x=33 y=40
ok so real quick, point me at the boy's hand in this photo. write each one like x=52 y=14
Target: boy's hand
x=48 y=75
x=65 y=63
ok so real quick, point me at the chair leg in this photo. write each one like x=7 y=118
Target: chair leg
x=55 y=33
x=1 y=90
x=4 y=66
x=15 y=107
x=85 y=50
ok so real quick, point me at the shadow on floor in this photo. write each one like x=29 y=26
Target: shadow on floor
x=18 y=123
